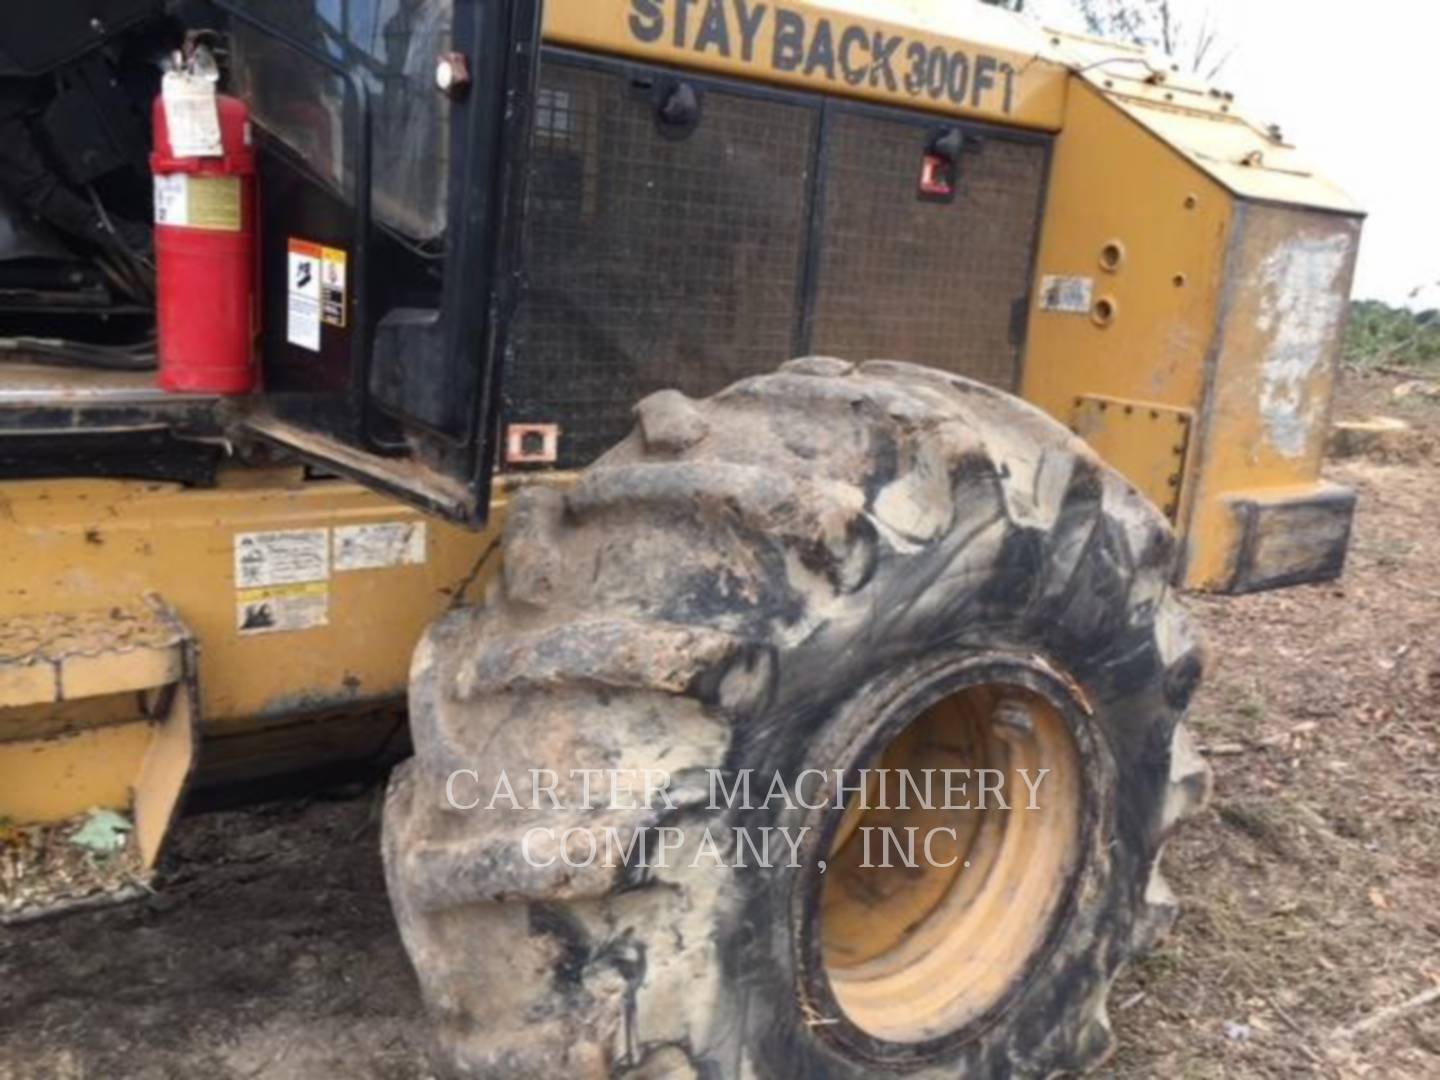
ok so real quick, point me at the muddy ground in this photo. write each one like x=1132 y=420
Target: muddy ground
x=1311 y=884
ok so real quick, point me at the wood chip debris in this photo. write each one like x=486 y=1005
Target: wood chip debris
x=43 y=867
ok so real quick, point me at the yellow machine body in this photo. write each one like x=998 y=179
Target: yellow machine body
x=1190 y=284
x=85 y=565
x=1191 y=264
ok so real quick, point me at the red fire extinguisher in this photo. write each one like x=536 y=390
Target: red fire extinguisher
x=205 y=254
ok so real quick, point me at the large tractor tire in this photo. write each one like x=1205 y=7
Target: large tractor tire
x=828 y=568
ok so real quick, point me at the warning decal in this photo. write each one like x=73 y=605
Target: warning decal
x=283 y=557
x=282 y=607
x=332 y=286
x=302 y=322
x=280 y=580
x=373 y=547
x=1071 y=295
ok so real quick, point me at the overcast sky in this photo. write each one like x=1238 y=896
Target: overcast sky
x=1356 y=86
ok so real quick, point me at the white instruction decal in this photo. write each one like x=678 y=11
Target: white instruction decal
x=172 y=199
x=283 y=557
x=1072 y=295
x=302 y=325
x=373 y=547
x=191 y=119
x=276 y=608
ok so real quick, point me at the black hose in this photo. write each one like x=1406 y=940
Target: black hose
x=59 y=352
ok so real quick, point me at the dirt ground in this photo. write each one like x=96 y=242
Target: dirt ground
x=1311 y=884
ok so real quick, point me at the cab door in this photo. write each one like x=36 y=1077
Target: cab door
x=389 y=135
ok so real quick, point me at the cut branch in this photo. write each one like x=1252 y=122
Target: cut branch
x=1381 y=1017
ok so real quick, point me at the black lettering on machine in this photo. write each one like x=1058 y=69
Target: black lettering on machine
x=824 y=50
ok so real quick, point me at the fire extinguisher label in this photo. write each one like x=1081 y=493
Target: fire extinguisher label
x=213 y=202
x=170 y=196
x=198 y=202
x=191 y=116
x=302 y=323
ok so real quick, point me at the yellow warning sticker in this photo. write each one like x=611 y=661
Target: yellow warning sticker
x=213 y=202
x=276 y=608
x=332 y=286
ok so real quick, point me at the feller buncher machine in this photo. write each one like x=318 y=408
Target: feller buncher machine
x=469 y=316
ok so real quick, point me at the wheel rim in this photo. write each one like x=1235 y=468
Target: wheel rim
x=916 y=953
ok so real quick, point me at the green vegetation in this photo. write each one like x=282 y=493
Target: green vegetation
x=1380 y=335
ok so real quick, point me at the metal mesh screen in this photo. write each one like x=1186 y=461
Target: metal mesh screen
x=652 y=262
x=935 y=283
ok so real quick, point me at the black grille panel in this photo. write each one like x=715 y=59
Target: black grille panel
x=660 y=257
x=652 y=262
x=938 y=283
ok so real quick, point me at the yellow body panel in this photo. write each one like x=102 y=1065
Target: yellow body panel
x=86 y=719
x=1203 y=123
x=112 y=728
x=54 y=778
x=963 y=59
x=1145 y=440
x=129 y=764
x=82 y=544
x=1200 y=300
x=1112 y=183
x=1277 y=348
x=56 y=657
x=1154 y=177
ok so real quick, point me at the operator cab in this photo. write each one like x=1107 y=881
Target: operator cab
x=364 y=161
